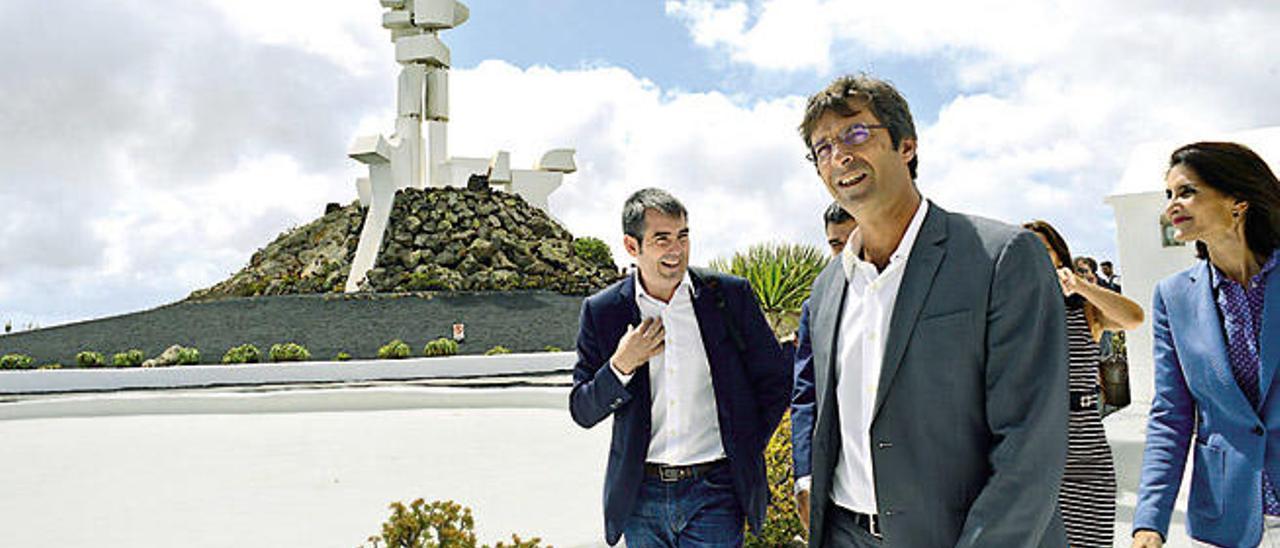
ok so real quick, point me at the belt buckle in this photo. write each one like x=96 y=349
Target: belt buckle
x=669 y=474
x=873 y=526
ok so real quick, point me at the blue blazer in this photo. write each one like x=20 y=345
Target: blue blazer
x=752 y=390
x=1197 y=399
x=802 y=399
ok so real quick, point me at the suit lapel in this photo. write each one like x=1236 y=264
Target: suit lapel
x=1269 y=333
x=825 y=324
x=926 y=256
x=1204 y=330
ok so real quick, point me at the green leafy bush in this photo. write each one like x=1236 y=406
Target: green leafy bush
x=594 y=251
x=441 y=347
x=289 y=352
x=780 y=275
x=89 y=358
x=245 y=353
x=129 y=358
x=394 y=350
x=188 y=355
x=497 y=350
x=782 y=525
x=439 y=524
x=552 y=348
x=50 y=366
x=16 y=361
x=343 y=357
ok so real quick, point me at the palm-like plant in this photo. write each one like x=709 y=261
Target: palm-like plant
x=781 y=275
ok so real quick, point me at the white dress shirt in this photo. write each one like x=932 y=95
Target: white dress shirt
x=685 y=427
x=859 y=355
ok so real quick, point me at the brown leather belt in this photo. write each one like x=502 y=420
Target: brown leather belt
x=671 y=474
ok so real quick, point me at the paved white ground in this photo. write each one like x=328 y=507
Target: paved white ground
x=212 y=469
x=316 y=479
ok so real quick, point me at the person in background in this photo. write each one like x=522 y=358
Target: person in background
x=1109 y=276
x=1086 y=267
x=1087 y=498
x=838 y=224
x=1216 y=332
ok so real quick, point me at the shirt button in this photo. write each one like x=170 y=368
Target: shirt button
x=883 y=445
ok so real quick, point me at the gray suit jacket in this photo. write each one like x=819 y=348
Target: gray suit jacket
x=969 y=432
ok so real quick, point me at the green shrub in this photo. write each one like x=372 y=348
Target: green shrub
x=552 y=348
x=48 y=366
x=344 y=357
x=245 y=353
x=289 y=352
x=594 y=251
x=781 y=522
x=129 y=358
x=497 y=350
x=441 y=347
x=89 y=358
x=188 y=355
x=439 y=524
x=16 y=361
x=394 y=350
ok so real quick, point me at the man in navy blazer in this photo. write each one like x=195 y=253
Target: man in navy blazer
x=838 y=224
x=696 y=383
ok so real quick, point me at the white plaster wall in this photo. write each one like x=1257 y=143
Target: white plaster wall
x=1142 y=262
x=74 y=380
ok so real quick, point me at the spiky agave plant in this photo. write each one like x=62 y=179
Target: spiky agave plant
x=781 y=275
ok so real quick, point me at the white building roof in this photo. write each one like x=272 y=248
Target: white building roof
x=1148 y=161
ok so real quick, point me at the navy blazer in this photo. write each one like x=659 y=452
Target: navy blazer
x=752 y=390
x=1197 y=398
x=802 y=399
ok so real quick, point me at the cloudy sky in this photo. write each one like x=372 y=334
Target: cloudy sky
x=149 y=148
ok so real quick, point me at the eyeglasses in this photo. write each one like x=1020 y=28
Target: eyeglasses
x=856 y=134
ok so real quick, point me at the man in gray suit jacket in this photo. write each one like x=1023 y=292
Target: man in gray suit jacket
x=939 y=353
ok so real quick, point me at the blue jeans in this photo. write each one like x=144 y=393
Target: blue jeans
x=698 y=512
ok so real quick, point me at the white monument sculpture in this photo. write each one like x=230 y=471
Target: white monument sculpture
x=408 y=159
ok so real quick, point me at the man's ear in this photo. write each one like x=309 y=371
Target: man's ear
x=907 y=149
x=631 y=244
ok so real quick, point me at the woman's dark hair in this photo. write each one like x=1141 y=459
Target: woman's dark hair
x=1059 y=247
x=1235 y=170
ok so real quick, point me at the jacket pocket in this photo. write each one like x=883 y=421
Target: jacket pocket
x=1208 y=479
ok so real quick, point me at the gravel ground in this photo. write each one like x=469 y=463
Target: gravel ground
x=526 y=321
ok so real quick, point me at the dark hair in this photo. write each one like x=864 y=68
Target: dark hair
x=1235 y=170
x=886 y=103
x=1105 y=263
x=1093 y=265
x=642 y=200
x=1059 y=247
x=835 y=215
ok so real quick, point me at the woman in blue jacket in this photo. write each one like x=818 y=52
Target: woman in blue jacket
x=1217 y=348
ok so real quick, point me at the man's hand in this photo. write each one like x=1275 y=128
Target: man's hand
x=638 y=344
x=802 y=508
x=1147 y=539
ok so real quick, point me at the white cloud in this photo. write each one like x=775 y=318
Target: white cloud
x=1050 y=96
x=735 y=165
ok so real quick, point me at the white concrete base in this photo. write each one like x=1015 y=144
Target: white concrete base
x=79 y=380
